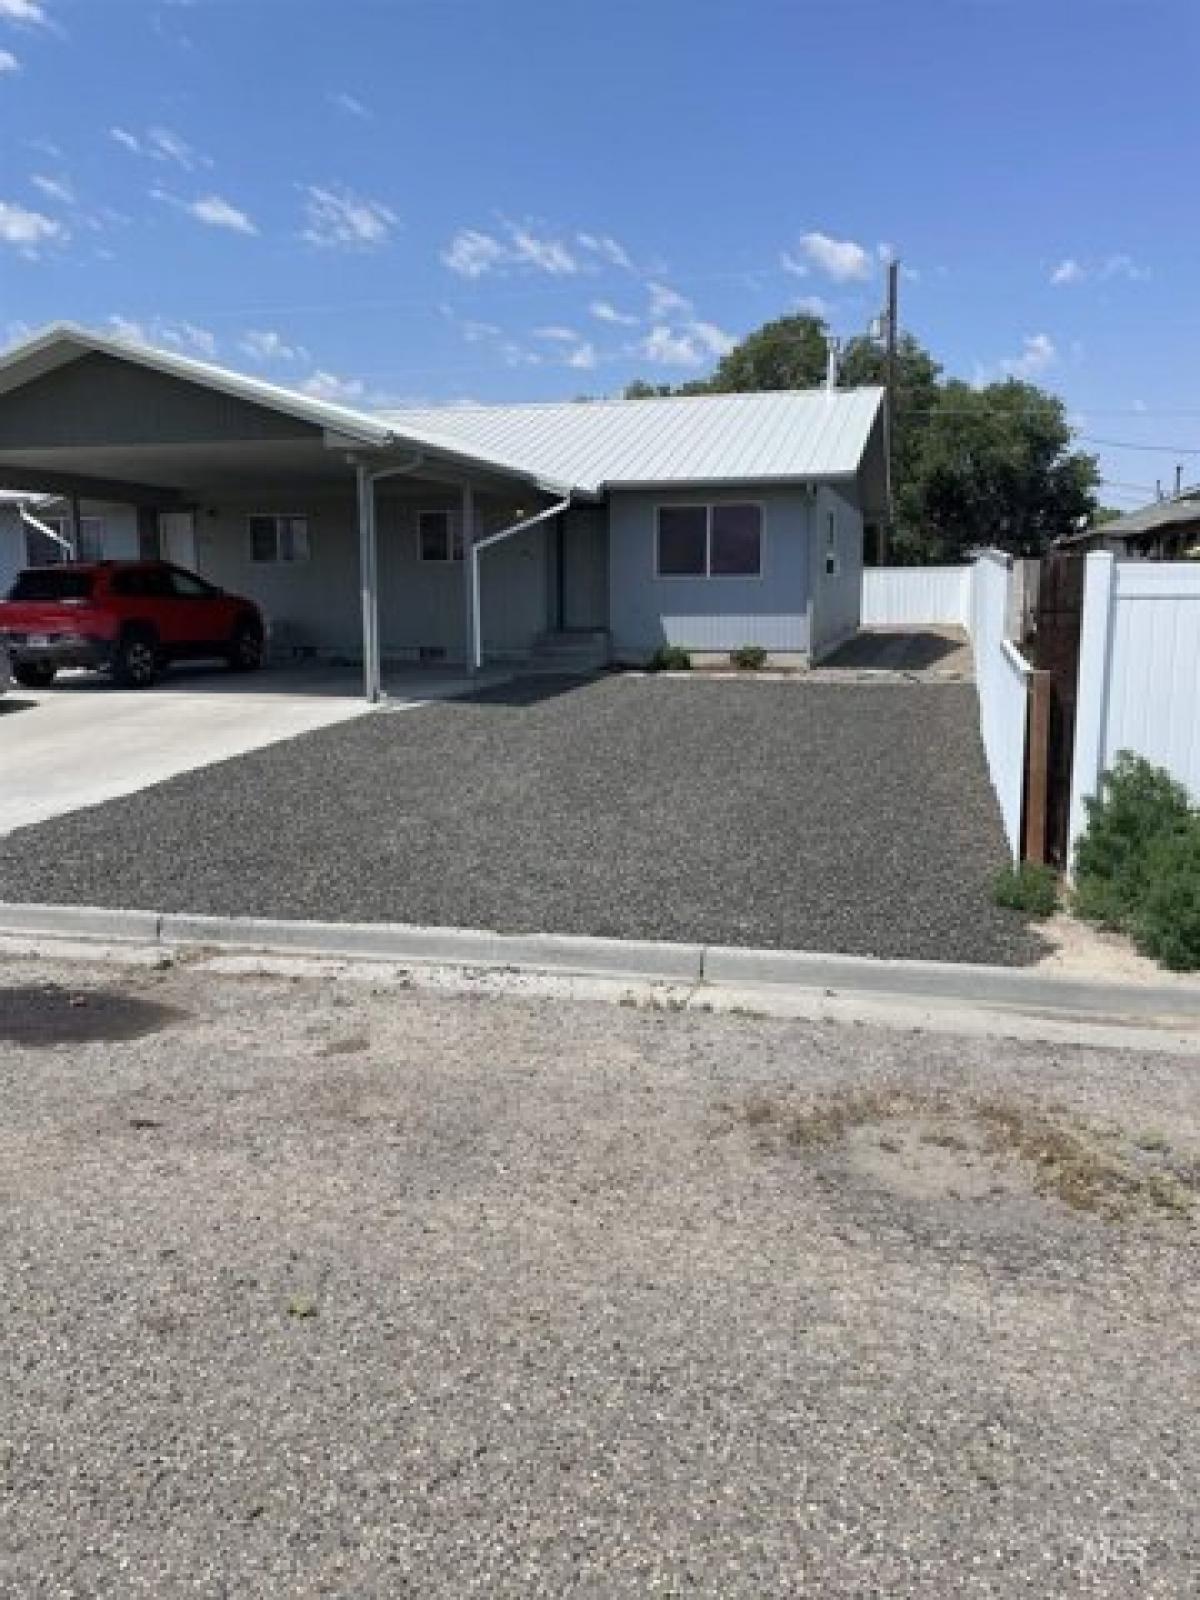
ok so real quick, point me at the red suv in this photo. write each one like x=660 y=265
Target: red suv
x=124 y=617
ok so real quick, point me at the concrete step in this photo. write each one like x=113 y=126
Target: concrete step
x=585 y=651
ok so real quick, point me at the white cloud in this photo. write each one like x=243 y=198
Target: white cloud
x=348 y=103
x=603 y=311
x=816 y=305
x=606 y=248
x=1071 y=271
x=1038 y=353
x=557 y=334
x=264 y=344
x=712 y=340
x=691 y=345
x=473 y=253
x=9 y=62
x=1067 y=271
x=185 y=336
x=28 y=13
x=1122 y=266
x=583 y=357
x=162 y=145
x=328 y=386
x=664 y=300
x=54 y=188
x=28 y=231
x=840 y=259
x=338 y=219
x=548 y=255
x=216 y=212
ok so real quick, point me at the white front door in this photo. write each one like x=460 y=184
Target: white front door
x=177 y=537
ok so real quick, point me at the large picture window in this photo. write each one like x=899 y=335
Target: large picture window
x=714 y=541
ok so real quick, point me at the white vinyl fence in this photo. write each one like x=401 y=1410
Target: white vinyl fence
x=1139 y=673
x=1002 y=683
x=916 y=597
x=978 y=598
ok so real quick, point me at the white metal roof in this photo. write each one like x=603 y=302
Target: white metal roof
x=583 y=446
x=727 y=438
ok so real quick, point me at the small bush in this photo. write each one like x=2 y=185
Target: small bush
x=749 y=657
x=670 y=658
x=1166 y=924
x=1137 y=804
x=1137 y=867
x=1031 y=888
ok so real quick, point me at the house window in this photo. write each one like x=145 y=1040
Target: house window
x=438 y=536
x=42 y=551
x=831 y=560
x=275 y=538
x=720 y=541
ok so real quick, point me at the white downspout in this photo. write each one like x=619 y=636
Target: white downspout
x=472 y=553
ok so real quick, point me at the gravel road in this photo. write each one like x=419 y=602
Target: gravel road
x=317 y=1290
x=815 y=816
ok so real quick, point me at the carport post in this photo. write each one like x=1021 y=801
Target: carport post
x=472 y=652
x=369 y=579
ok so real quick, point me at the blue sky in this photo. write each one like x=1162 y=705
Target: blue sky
x=438 y=200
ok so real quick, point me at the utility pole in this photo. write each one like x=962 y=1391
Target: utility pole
x=889 y=434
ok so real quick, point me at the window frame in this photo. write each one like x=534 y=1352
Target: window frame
x=454 y=538
x=708 y=575
x=278 y=518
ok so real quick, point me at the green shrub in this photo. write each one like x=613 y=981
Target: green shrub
x=1031 y=888
x=1137 y=804
x=749 y=657
x=670 y=658
x=1166 y=924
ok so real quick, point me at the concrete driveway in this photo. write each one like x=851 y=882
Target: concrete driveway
x=84 y=741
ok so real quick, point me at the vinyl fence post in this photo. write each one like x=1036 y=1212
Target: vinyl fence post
x=1091 y=705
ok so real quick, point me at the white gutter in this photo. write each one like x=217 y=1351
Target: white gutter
x=475 y=659
x=30 y=521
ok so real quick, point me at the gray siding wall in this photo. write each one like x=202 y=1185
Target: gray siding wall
x=120 y=541
x=703 y=614
x=99 y=400
x=317 y=603
x=837 y=599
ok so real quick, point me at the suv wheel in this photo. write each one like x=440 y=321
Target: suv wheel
x=33 y=674
x=245 y=653
x=136 y=661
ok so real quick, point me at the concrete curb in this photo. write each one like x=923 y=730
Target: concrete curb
x=963 y=984
x=544 y=952
x=974 y=987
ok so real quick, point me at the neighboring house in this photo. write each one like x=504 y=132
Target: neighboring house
x=106 y=531
x=708 y=522
x=1167 y=530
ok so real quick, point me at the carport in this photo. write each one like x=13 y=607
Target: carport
x=204 y=453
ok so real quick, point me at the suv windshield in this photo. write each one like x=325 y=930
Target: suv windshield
x=51 y=583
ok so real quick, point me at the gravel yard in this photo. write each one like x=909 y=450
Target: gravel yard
x=844 y=817
x=318 y=1290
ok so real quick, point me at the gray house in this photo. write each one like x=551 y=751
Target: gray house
x=582 y=532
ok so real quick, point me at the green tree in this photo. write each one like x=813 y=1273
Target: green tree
x=993 y=467
x=788 y=353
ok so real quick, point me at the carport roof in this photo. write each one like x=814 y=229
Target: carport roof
x=780 y=437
